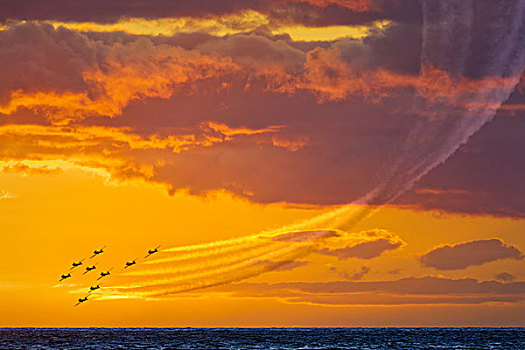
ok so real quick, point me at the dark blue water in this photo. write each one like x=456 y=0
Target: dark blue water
x=262 y=338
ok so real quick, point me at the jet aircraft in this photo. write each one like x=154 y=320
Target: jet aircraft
x=63 y=277
x=152 y=251
x=92 y=288
x=104 y=274
x=97 y=252
x=89 y=268
x=76 y=263
x=130 y=263
x=81 y=300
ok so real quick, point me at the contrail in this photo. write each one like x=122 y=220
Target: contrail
x=206 y=268
x=451 y=30
x=444 y=124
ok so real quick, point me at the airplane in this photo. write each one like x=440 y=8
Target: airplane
x=63 y=277
x=89 y=268
x=76 y=263
x=92 y=288
x=152 y=251
x=98 y=251
x=104 y=274
x=130 y=263
x=81 y=300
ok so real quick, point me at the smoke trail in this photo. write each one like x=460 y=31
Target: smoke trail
x=207 y=267
x=451 y=30
x=476 y=40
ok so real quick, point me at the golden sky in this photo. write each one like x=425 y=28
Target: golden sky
x=300 y=163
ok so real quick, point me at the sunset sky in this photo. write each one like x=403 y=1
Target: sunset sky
x=299 y=162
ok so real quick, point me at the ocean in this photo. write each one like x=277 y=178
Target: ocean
x=262 y=338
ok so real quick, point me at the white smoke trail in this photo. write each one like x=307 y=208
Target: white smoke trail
x=207 y=268
x=452 y=29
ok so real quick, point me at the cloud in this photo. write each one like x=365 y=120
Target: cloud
x=407 y=291
x=378 y=242
x=23 y=168
x=286 y=265
x=462 y=255
x=360 y=274
x=193 y=101
x=97 y=79
x=305 y=236
x=505 y=277
x=309 y=12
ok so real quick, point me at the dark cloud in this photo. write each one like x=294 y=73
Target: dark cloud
x=40 y=58
x=106 y=12
x=396 y=48
x=365 y=250
x=425 y=290
x=316 y=13
x=505 y=277
x=462 y=255
x=411 y=285
x=323 y=154
x=256 y=49
x=355 y=276
x=359 y=274
x=284 y=265
x=305 y=236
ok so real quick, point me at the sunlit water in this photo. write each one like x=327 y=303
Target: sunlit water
x=263 y=338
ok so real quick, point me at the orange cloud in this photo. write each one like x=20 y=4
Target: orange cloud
x=286 y=265
x=291 y=144
x=119 y=153
x=513 y=107
x=332 y=79
x=229 y=131
x=434 y=191
x=19 y=167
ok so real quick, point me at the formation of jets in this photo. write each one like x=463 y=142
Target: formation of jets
x=102 y=274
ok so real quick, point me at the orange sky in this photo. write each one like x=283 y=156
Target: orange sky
x=55 y=219
x=234 y=137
